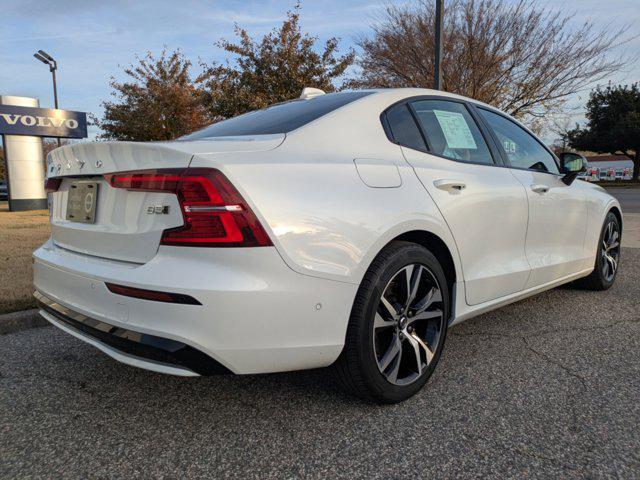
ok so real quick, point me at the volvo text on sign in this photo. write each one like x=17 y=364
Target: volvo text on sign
x=42 y=122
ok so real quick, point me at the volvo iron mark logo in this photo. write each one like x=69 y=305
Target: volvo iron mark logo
x=88 y=202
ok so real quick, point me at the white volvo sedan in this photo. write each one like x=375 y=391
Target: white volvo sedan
x=346 y=229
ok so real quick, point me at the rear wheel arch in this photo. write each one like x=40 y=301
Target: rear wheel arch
x=437 y=246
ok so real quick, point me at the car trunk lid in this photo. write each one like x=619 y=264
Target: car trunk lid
x=117 y=223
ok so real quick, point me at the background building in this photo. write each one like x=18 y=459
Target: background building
x=609 y=167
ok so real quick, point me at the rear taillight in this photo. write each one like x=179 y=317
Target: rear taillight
x=52 y=184
x=215 y=214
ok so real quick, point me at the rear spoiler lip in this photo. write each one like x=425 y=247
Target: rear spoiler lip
x=98 y=158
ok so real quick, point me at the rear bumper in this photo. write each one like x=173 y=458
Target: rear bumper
x=138 y=349
x=257 y=315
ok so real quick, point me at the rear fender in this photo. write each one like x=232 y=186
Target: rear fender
x=319 y=213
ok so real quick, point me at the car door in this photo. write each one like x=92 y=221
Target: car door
x=557 y=212
x=484 y=206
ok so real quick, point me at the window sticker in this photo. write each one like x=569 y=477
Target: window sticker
x=509 y=146
x=455 y=129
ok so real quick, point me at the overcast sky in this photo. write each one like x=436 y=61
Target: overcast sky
x=93 y=39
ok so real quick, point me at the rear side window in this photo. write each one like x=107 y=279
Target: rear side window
x=403 y=128
x=522 y=149
x=279 y=118
x=451 y=131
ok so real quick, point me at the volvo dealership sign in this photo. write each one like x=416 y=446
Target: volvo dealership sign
x=23 y=125
x=42 y=122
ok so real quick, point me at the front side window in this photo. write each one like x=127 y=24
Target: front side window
x=522 y=149
x=451 y=131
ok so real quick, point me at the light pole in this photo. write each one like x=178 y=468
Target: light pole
x=437 y=73
x=47 y=59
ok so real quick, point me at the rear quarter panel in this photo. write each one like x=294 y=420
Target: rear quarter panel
x=321 y=216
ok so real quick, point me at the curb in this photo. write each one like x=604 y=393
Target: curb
x=18 y=321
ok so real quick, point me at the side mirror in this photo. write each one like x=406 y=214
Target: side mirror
x=572 y=165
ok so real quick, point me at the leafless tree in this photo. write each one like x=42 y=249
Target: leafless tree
x=519 y=57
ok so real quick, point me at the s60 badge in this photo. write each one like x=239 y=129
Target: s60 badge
x=158 y=209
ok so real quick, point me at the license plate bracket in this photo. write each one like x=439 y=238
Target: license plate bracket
x=81 y=202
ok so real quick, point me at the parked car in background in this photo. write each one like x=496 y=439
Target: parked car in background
x=4 y=190
x=350 y=228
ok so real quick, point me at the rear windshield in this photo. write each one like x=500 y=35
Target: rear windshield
x=279 y=118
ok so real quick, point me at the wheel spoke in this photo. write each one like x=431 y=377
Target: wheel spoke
x=614 y=237
x=425 y=347
x=380 y=322
x=393 y=373
x=416 y=350
x=392 y=352
x=413 y=282
x=390 y=308
x=612 y=246
x=432 y=296
x=613 y=262
x=426 y=315
x=408 y=273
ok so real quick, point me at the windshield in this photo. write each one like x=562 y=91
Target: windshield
x=278 y=118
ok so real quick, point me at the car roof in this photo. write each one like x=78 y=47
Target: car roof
x=400 y=93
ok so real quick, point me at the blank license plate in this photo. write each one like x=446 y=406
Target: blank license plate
x=81 y=204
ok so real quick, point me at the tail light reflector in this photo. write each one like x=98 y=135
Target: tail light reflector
x=215 y=214
x=153 y=295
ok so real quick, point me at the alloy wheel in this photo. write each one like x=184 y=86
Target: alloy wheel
x=408 y=324
x=610 y=251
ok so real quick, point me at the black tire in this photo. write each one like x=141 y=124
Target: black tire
x=358 y=367
x=598 y=279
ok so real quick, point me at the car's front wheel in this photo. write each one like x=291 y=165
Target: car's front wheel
x=397 y=327
x=607 y=258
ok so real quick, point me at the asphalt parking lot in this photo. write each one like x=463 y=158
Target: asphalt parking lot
x=547 y=387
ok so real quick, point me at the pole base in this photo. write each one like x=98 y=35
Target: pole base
x=25 y=204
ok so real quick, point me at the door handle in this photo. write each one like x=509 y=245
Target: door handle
x=449 y=185
x=538 y=188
